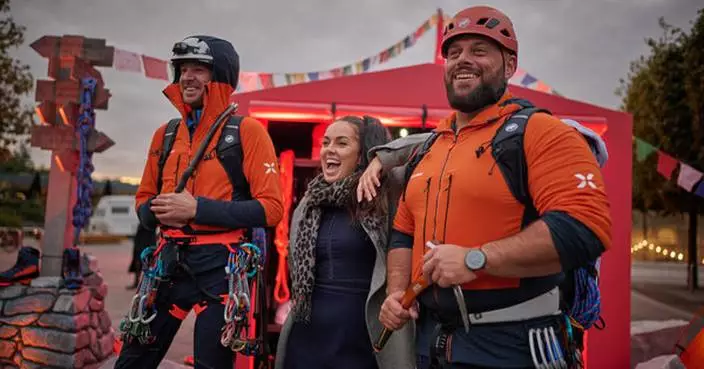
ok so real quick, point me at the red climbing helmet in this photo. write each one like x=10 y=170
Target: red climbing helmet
x=481 y=20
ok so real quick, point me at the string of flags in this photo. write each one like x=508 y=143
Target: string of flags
x=688 y=178
x=156 y=68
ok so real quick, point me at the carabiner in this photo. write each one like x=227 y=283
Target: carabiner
x=551 y=364
x=230 y=304
x=134 y=309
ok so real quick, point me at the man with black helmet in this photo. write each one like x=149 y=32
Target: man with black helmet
x=234 y=187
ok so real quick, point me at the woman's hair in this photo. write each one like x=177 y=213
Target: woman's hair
x=370 y=132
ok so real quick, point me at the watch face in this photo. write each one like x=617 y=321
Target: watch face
x=476 y=259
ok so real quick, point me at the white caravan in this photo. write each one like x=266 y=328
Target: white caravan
x=114 y=215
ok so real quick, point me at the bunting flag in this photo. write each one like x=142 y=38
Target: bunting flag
x=158 y=69
x=266 y=79
x=155 y=68
x=127 y=61
x=643 y=149
x=248 y=80
x=666 y=164
x=700 y=189
x=528 y=80
x=688 y=177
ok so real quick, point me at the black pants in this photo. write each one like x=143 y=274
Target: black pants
x=183 y=295
x=423 y=362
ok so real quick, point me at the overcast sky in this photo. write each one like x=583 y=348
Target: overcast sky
x=579 y=47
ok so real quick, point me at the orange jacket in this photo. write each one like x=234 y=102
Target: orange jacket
x=210 y=180
x=455 y=197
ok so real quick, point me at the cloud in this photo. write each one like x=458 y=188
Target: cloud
x=581 y=48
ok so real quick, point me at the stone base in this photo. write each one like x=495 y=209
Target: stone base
x=48 y=326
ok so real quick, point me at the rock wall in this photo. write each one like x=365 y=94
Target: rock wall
x=47 y=326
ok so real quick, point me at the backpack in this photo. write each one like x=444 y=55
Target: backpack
x=228 y=151
x=580 y=290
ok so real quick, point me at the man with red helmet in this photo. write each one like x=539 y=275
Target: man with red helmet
x=508 y=256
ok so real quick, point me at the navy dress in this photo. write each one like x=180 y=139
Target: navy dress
x=336 y=336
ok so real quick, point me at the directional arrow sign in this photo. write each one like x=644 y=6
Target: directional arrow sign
x=99 y=141
x=52 y=137
x=92 y=50
x=60 y=137
x=46 y=46
x=68 y=91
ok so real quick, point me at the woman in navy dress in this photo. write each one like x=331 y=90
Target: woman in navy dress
x=337 y=262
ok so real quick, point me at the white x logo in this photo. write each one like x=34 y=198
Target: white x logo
x=585 y=180
x=270 y=168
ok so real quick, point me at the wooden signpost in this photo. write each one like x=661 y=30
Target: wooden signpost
x=71 y=59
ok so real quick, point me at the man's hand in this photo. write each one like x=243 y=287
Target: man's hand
x=444 y=265
x=174 y=209
x=369 y=181
x=392 y=315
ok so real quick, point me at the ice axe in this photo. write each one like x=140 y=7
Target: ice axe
x=224 y=116
x=409 y=296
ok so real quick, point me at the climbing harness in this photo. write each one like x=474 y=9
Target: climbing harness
x=142 y=309
x=244 y=263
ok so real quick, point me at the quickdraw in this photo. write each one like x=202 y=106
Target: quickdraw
x=142 y=309
x=244 y=262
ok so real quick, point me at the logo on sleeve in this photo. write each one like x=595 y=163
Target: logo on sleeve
x=270 y=168
x=585 y=180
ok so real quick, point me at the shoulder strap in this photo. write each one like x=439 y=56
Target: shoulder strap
x=166 y=146
x=231 y=156
x=416 y=157
x=508 y=153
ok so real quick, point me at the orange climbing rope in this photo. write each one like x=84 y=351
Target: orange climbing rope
x=281 y=290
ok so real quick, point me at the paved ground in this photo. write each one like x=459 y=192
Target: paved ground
x=658 y=293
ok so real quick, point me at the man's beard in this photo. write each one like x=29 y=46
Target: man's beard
x=484 y=95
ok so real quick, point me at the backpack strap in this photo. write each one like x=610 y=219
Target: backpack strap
x=166 y=146
x=508 y=153
x=231 y=156
x=579 y=290
x=416 y=157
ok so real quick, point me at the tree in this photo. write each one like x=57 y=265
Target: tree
x=17 y=161
x=664 y=92
x=107 y=190
x=15 y=81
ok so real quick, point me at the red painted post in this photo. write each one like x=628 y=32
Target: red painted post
x=71 y=58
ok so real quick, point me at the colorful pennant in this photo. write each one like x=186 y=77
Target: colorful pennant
x=252 y=81
x=688 y=177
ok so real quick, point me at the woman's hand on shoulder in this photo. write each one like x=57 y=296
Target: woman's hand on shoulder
x=369 y=181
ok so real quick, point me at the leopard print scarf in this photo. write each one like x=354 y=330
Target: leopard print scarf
x=319 y=194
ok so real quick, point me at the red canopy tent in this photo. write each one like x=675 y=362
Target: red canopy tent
x=402 y=97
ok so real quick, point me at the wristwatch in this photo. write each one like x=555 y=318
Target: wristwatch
x=475 y=259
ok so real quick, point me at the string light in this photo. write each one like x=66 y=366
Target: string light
x=671 y=254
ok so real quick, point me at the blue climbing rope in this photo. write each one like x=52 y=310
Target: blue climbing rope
x=586 y=307
x=82 y=210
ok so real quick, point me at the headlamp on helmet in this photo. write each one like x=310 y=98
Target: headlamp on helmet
x=191 y=49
